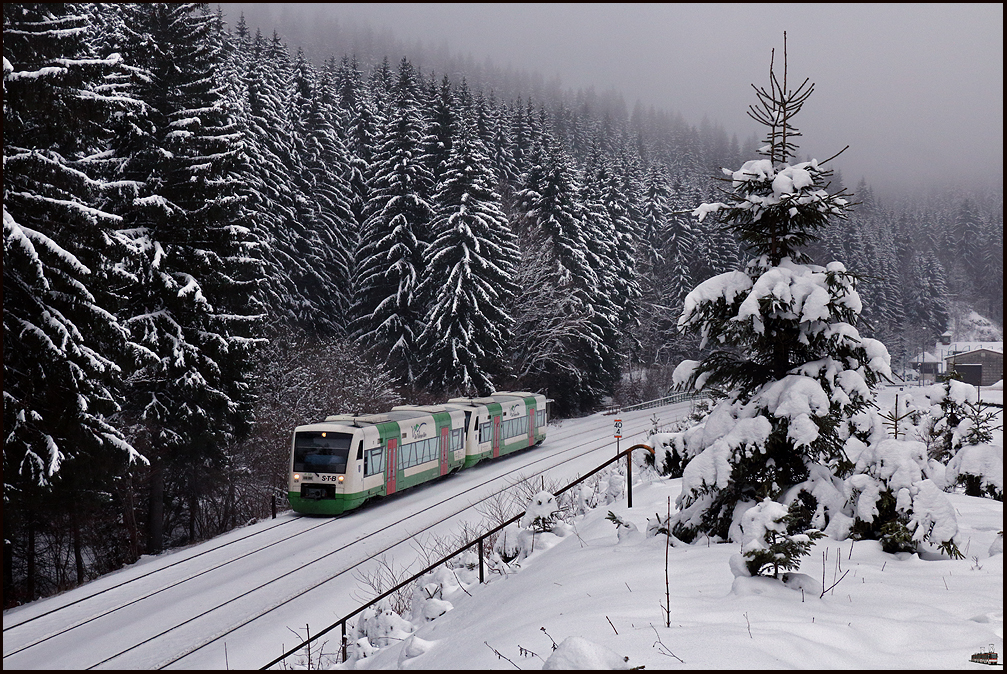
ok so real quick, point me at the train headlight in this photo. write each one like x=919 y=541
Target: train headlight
x=340 y=478
x=297 y=477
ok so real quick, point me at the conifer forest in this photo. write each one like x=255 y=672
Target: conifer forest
x=209 y=240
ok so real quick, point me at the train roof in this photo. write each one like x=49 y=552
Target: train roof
x=496 y=397
x=423 y=408
x=395 y=415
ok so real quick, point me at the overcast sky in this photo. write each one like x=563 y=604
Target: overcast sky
x=915 y=90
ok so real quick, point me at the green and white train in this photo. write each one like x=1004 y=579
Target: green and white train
x=337 y=464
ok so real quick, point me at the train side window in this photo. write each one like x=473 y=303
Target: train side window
x=485 y=432
x=360 y=450
x=374 y=461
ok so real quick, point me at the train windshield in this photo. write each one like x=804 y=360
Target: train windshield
x=321 y=451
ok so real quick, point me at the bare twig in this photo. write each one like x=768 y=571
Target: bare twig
x=834 y=584
x=663 y=649
x=554 y=645
x=835 y=155
x=525 y=652
x=460 y=583
x=667 y=581
x=613 y=626
x=501 y=655
x=749 y=626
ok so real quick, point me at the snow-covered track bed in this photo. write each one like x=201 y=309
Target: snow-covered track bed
x=147 y=617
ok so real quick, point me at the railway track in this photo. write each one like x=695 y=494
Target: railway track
x=25 y=637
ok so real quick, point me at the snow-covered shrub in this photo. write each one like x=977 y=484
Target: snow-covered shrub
x=580 y=653
x=381 y=626
x=540 y=527
x=604 y=488
x=892 y=498
x=769 y=543
x=431 y=592
x=959 y=428
x=942 y=427
x=980 y=469
x=624 y=531
x=541 y=514
x=671 y=451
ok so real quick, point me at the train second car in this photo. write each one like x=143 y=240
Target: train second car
x=337 y=464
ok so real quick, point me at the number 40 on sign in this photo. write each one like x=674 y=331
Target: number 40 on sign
x=618 y=428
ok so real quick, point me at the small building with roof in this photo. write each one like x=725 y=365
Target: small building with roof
x=978 y=363
x=928 y=366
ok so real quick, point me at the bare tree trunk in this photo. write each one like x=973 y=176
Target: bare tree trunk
x=78 y=556
x=8 y=569
x=30 y=558
x=129 y=519
x=155 y=519
x=193 y=504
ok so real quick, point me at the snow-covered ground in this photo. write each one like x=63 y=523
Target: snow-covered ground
x=601 y=597
x=598 y=596
x=889 y=612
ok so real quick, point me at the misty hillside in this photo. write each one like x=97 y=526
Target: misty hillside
x=211 y=238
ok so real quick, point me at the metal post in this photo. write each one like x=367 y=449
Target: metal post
x=629 y=478
x=480 y=560
x=344 y=641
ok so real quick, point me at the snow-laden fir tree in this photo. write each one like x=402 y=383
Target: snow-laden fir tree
x=468 y=279
x=564 y=346
x=193 y=304
x=786 y=355
x=926 y=298
x=64 y=349
x=387 y=313
x=326 y=208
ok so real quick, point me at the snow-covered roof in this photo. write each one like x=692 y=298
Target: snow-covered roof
x=926 y=357
x=956 y=349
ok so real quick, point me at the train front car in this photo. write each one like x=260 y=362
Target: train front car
x=324 y=479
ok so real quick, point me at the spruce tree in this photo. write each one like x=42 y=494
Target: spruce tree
x=193 y=307
x=564 y=347
x=468 y=277
x=387 y=313
x=360 y=132
x=64 y=349
x=325 y=209
x=787 y=359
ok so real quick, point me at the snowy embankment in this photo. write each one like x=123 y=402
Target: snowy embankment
x=890 y=611
x=599 y=594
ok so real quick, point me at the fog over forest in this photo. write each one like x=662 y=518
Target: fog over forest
x=916 y=91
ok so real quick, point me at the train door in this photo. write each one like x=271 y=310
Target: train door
x=531 y=425
x=390 y=461
x=496 y=436
x=444 y=449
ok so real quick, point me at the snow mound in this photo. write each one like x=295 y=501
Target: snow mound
x=413 y=647
x=579 y=653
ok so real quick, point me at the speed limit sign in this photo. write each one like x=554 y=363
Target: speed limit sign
x=618 y=428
